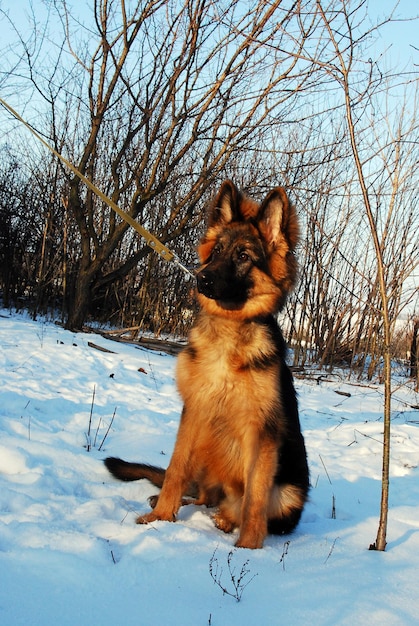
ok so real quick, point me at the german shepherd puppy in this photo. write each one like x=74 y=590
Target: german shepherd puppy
x=239 y=446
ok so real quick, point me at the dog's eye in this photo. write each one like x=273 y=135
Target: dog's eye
x=216 y=250
x=243 y=256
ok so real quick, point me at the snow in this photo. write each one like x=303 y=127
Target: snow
x=71 y=553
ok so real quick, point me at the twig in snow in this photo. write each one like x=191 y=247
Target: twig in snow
x=284 y=554
x=107 y=432
x=368 y=436
x=333 y=506
x=153 y=377
x=325 y=469
x=89 y=445
x=238 y=584
x=331 y=550
x=97 y=432
x=29 y=419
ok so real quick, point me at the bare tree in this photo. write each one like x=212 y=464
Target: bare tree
x=158 y=97
x=157 y=101
x=414 y=351
x=361 y=84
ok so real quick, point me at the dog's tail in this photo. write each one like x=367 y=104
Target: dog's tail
x=135 y=471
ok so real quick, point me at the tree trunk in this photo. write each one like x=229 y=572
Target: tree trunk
x=79 y=301
x=414 y=350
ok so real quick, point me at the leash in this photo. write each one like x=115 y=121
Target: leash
x=150 y=239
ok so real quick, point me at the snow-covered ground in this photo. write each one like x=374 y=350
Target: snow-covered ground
x=70 y=552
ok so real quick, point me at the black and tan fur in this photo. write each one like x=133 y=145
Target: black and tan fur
x=239 y=446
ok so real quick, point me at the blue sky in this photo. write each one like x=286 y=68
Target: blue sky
x=397 y=40
x=400 y=36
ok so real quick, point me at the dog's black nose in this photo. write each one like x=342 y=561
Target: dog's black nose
x=205 y=283
x=205 y=279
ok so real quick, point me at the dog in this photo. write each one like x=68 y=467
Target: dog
x=239 y=445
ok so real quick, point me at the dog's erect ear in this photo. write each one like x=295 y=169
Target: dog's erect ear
x=225 y=207
x=277 y=218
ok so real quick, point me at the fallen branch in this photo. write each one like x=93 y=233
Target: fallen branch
x=94 y=345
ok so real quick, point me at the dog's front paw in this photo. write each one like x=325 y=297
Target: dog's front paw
x=250 y=545
x=153 y=517
x=253 y=541
x=222 y=523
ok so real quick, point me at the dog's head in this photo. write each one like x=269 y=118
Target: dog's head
x=247 y=254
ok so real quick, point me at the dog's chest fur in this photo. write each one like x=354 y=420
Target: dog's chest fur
x=233 y=362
